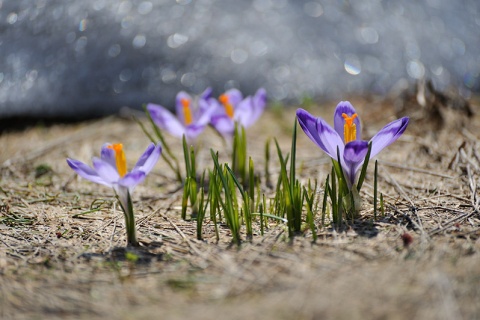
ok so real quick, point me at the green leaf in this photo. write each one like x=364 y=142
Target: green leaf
x=186 y=157
x=375 y=175
x=324 y=203
x=363 y=173
x=167 y=155
x=231 y=212
x=293 y=152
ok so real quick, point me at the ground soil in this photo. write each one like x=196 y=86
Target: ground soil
x=62 y=238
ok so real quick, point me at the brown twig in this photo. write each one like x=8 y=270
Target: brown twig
x=397 y=186
x=184 y=237
x=450 y=222
x=473 y=189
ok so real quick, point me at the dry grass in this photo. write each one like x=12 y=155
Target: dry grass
x=419 y=261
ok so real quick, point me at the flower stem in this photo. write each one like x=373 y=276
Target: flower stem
x=123 y=195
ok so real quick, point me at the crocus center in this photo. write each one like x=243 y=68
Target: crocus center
x=349 y=128
x=187 y=112
x=120 y=158
x=227 y=105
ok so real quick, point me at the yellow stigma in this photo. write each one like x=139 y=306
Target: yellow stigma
x=187 y=113
x=120 y=158
x=228 y=106
x=349 y=128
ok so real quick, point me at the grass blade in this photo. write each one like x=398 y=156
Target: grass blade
x=363 y=173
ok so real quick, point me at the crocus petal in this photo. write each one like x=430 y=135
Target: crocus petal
x=338 y=121
x=165 y=120
x=353 y=156
x=259 y=101
x=86 y=172
x=105 y=171
x=223 y=124
x=260 y=98
x=132 y=179
x=122 y=193
x=148 y=159
x=193 y=131
x=204 y=105
x=250 y=109
x=217 y=109
x=244 y=113
x=206 y=94
x=234 y=96
x=108 y=155
x=182 y=95
x=387 y=135
x=320 y=132
x=205 y=111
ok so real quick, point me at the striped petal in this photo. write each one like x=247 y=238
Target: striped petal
x=206 y=94
x=244 y=112
x=234 y=96
x=321 y=133
x=353 y=158
x=249 y=110
x=108 y=155
x=224 y=125
x=165 y=120
x=182 y=95
x=338 y=121
x=387 y=135
x=132 y=179
x=148 y=159
x=86 y=172
x=106 y=171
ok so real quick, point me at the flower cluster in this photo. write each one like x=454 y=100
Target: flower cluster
x=343 y=141
x=349 y=152
x=229 y=115
x=193 y=115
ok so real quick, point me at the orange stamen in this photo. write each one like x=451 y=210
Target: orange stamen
x=187 y=113
x=349 y=128
x=226 y=103
x=120 y=158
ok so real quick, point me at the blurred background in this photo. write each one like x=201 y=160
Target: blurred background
x=79 y=59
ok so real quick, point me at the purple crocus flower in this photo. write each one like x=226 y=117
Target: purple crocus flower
x=111 y=170
x=232 y=108
x=191 y=118
x=346 y=137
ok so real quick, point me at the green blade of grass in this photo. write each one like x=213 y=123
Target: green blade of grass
x=271 y=216
x=185 y=197
x=324 y=203
x=375 y=191
x=363 y=173
x=268 y=182
x=212 y=194
x=293 y=153
x=230 y=212
x=333 y=196
x=170 y=158
x=186 y=157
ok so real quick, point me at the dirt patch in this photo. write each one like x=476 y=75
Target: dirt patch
x=62 y=238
